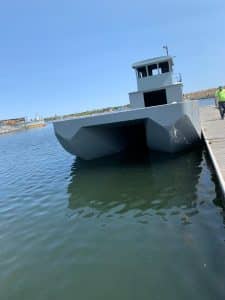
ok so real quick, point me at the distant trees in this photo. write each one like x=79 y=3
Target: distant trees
x=209 y=93
x=87 y=113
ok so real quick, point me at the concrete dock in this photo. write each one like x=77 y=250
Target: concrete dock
x=213 y=131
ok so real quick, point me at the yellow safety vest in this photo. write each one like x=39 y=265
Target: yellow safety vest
x=220 y=95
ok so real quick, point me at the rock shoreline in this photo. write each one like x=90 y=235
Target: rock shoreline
x=4 y=129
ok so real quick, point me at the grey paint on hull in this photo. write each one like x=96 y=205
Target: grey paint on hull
x=168 y=128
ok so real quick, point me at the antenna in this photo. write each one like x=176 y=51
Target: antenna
x=167 y=50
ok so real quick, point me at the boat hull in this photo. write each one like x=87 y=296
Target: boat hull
x=168 y=128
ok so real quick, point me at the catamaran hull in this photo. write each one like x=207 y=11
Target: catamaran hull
x=168 y=128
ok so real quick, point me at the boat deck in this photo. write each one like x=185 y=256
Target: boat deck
x=213 y=130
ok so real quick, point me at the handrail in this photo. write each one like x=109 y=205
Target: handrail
x=177 y=78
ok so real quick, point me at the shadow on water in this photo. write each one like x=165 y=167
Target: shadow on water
x=155 y=181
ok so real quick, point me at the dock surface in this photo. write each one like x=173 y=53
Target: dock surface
x=213 y=130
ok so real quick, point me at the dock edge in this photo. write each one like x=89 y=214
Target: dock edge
x=215 y=165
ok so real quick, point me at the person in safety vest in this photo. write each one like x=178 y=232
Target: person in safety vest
x=220 y=95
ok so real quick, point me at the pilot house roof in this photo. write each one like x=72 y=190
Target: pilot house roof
x=152 y=61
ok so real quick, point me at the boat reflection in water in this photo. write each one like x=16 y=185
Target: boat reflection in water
x=147 y=227
x=158 y=183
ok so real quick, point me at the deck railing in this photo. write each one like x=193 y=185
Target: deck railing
x=177 y=78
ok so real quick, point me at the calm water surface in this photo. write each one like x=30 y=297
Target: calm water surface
x=147 y=228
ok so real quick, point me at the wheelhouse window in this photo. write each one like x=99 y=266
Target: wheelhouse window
x=164 y=67
x=152 y=70
x=142 y=72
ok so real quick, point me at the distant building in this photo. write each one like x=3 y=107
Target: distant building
x=11 y=122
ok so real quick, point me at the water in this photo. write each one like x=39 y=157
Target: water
x=146 y=228
x=207 y=102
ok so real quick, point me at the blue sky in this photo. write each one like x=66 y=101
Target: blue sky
x=64 y=56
